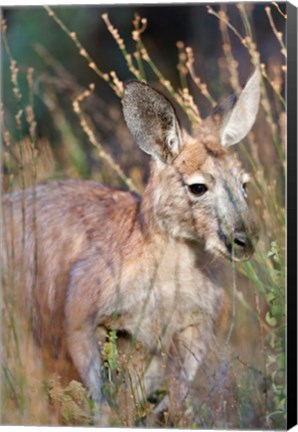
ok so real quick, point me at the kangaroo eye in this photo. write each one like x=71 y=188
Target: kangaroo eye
x=244 y=187
x=198 y=189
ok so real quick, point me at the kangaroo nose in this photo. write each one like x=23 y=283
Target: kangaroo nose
x=243 y=246
x=240 y=239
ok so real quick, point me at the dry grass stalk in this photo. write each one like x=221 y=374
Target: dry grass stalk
x=232 y=63
x=120 y=42
x=181 y=66
x=13 y=64
x=30 y=117
x=279 y=35
x=221 y=15
x=140 y=25
x=94 y=141
x=279 y=10
x=118 y=84
x=73 y=36
x=201 y=86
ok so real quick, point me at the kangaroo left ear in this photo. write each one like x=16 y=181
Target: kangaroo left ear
x=239 y=116
x=152 y=121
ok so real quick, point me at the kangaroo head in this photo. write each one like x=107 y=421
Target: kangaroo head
x=197 y=188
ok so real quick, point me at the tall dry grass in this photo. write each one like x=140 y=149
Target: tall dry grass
x=242 y=382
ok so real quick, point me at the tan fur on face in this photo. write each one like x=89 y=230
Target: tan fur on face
x=206 y=142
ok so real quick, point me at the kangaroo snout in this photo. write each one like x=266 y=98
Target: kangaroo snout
x=241 y=243
x=244 y=244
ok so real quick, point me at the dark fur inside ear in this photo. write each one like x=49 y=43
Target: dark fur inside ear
x=222 y=110
x=152 y=120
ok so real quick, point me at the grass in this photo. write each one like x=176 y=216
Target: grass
x=242 y=382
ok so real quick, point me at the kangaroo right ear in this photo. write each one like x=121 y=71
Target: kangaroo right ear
x=239 y=115
x=152 y=121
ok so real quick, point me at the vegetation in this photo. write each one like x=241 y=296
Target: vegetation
x=79 y=135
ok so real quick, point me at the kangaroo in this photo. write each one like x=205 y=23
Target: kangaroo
x=98 y=256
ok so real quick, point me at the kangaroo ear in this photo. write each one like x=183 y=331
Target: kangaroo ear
x=152 y=121
x=238 y=116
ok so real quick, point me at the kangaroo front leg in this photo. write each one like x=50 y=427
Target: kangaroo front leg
x=82 y=347
x=80 y=327
x=187 y=355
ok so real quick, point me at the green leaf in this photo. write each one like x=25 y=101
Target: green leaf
x=270 y=319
